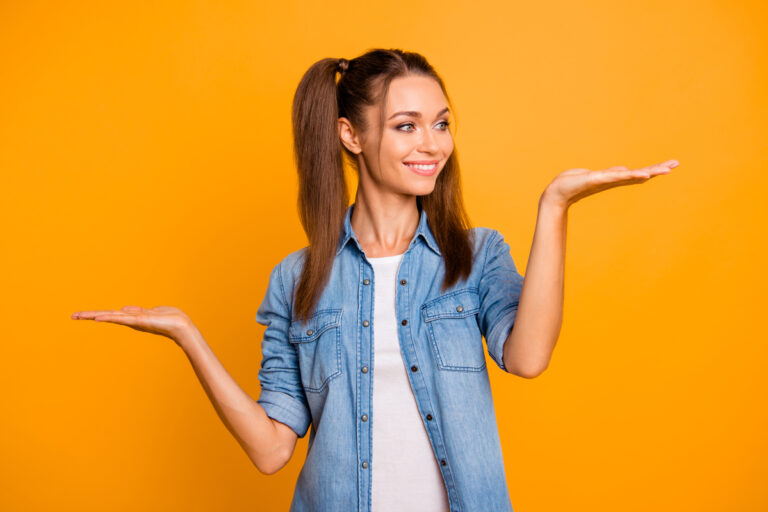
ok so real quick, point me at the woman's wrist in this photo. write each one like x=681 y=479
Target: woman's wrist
x=188 y=337
x=551 y=200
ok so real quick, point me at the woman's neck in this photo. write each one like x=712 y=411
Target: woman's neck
x=384 y=227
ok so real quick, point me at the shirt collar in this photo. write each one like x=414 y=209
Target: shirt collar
x=422 y=230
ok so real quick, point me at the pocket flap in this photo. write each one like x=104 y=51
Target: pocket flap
x=456 y=304
x=315 y=326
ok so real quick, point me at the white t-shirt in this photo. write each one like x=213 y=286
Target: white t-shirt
x=404 y=471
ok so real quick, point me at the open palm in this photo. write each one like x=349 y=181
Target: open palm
x=163 y=320
x=574 y=184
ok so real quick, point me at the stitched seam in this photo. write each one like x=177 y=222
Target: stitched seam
x=282 y=288
x=485 y=261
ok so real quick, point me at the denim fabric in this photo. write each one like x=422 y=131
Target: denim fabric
x=320 y=373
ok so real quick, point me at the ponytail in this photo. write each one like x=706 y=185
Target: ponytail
x=323 y=194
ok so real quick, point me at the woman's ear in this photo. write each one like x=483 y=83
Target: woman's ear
x=348 y=136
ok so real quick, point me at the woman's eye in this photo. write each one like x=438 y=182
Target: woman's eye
x=446 y=123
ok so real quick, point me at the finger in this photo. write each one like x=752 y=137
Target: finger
x=661 y=168
x=622 y=172
x=671 y=164
x=91 y=313
x=647 y=172
x=120 y=318
x=615 y=175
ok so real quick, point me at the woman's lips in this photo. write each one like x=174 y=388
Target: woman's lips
x=424 y=170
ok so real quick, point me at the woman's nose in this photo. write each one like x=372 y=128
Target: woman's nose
x=428 y=144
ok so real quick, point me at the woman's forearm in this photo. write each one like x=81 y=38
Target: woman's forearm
x=244 y=417
x=529 y=346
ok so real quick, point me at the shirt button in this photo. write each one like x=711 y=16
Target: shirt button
x=364 y=417
x=364 y=369
x=402 y=282
x=414 y=368
x=442 y=461
x=365 y=464
x=404 y=322
x=366 y=281
x=310 y=332
x=429 y=417
x=460 y=309
x=366 y=323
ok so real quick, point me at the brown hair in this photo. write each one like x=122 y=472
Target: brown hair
x=323 y=194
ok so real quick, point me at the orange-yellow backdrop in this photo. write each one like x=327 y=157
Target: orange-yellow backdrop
x=146 y=159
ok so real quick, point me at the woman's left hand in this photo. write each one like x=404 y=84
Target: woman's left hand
x=571 y=185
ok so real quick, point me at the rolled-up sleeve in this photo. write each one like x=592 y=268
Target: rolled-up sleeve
x=499 y=289
x=282 y=395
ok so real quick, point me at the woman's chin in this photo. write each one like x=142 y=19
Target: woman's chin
x=423 y=189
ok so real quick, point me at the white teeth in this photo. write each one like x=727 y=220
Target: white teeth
x=422 y=167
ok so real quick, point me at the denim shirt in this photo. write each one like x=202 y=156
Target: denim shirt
x=320 y=373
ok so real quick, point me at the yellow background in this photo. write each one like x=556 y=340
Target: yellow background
x=146 y=159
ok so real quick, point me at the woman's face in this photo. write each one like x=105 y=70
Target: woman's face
x=415 y=142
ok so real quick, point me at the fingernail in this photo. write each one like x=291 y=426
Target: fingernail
x=673 y=164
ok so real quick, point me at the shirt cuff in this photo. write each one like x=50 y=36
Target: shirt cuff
x=498 y=336
x=286 y=409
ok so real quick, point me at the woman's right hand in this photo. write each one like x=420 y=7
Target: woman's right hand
x=163 y=320
x=267 y=442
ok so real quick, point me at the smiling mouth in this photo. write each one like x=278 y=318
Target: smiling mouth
x=426 y=170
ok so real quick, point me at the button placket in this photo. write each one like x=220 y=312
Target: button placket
x=366 y=354
x=403 y=309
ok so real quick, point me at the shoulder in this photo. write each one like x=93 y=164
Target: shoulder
x=491 y=249
x=483 y=238
x=291 y=264
x=288 y=270
x=483 y=235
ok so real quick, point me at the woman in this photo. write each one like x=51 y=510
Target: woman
x=375 y=330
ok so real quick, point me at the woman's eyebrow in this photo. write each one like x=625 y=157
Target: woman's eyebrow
x=413 y=113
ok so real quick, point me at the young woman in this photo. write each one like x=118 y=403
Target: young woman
x=374 y=331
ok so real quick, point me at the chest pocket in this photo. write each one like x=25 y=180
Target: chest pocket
x=318 y=345
x=453 y=331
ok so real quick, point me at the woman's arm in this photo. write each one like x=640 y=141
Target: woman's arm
x=540 y=312
x=268 y=443
x=530 y=343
